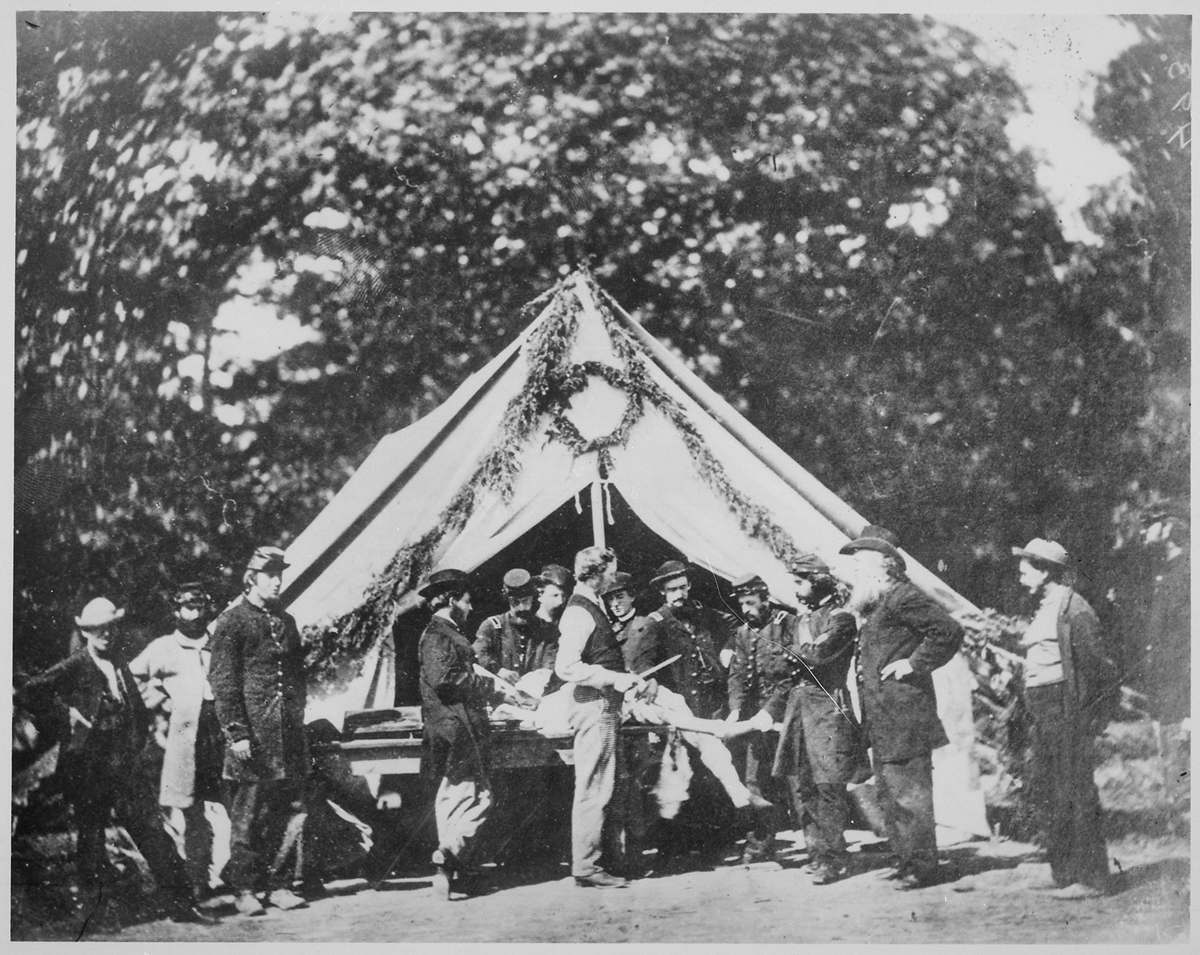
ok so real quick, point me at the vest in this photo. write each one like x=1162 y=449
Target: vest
x=602 y=647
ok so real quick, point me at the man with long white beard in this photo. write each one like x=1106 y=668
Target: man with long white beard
x=903 y=636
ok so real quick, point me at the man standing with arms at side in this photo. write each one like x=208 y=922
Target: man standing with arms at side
x=172 y=673
x=1066 y=676
x=903 y=637
x=590 y=658
x=258 y=682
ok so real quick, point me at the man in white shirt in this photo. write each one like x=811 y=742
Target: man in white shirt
x=590 y=658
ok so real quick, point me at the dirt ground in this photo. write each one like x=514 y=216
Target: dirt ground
x=990 y=895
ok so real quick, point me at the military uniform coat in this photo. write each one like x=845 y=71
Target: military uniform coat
x=500 y=643
x=764 y=667
x=1088 y=672
x=698 y=634
x=900 y=716
x=260 y=691
x=820 y=736
x=457 y=734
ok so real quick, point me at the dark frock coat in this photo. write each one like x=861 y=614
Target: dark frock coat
x=900 y=716
x=78 y=683
x=698 y=634
x=820 y=736
x=457 y=734
x=260 y=691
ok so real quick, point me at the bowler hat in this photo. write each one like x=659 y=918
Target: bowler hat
x=807 y=564
x=99 y=612
x=621 y=581
x=439 y=581
x=267 y=558
x=1050 y=552
x=749 y=584
x=556 y=574
x=517 y=583
x=668 y=571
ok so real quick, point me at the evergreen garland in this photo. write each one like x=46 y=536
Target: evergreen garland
x=335 y=650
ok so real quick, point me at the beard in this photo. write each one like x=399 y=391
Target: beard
x=867 y=588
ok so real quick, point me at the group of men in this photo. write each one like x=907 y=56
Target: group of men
x=226 y=694
x=774 y=678
x=760 y=697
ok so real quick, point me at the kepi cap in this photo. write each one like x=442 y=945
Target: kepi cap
x=189 y=589
x=267 y=558
x=807 y=564
x=517 y=583
x=749 y=584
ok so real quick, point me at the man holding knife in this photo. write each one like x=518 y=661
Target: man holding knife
x=590 y=658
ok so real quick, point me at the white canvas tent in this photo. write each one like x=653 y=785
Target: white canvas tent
x=687 y=464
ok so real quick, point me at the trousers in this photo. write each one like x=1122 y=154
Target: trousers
x=595 y=719
x=759 y=759
x=259 y=811
x=822 y=810
x=135 y=808
x=460 y=810
x=905 y=789
x=1063 y=789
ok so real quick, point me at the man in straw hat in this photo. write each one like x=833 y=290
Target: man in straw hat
x=108 y=729
x=1067 y=676
x=457 y=734
x=260 y=692
x=903 y=637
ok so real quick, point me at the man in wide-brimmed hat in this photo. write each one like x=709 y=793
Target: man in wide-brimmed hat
x=172 y=673
x=457 y=735
x=1067 y=676
x=513 y=643
x=260 y=692
x=698 y=634
x=903 y=636
x=108 y=729
x=821 y=748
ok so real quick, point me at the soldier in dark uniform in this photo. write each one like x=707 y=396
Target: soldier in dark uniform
x=260 y=691
x=762 y=674
x=697 y=633
x=108 y=730
x=457 y=734
x=820 y=744
x=510 y=645
x=903 y=636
